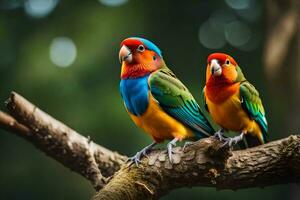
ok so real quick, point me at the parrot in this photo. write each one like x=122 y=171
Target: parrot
x=233 y=102
x=156 y=100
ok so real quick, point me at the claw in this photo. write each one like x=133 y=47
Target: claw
x=219 y=135
x=143 y=153
x=170 y=148
x=233 y=141
x=135 y=159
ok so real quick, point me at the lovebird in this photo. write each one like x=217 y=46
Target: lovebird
x=155 y=99
x=233 y=102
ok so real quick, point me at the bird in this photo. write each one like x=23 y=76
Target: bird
x=233 y=102
x=156 y=100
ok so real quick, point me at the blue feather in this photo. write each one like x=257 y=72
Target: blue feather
x=149 y=45
x=135 y=94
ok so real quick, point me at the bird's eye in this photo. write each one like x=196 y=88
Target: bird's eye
x=154 y=57
x=141 y=48
x=227 y=62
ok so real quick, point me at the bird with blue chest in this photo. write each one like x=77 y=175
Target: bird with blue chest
x=155 y=99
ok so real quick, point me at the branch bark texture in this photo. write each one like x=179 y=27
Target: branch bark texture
x=60 y=142
x=10 y=124
x=205 y=163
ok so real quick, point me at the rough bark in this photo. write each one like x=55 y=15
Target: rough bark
x=10 y=124
x=60 y=142
x=207 y=164
x=204 y=163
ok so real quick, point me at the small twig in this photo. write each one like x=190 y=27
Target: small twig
x=10 y=124
x=145 y=186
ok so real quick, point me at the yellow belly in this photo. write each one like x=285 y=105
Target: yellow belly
x=231 y=116
x=159 y=125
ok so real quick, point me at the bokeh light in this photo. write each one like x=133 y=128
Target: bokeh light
x=253 y=43
x=238 y=4
x=211 y=37
x=252 y=13
x=211 y=33
x=237 y=33
x=113 y=3
x=39 y=8
x=63 y=51
x=223 y=27
x=220 y=18
x=62 y=55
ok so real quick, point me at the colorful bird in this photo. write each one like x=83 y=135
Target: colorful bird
x=233 y=102
x=155 y=99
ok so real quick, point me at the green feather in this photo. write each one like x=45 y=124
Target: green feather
x=240 y=77
x=177 y=101
x=252 y=104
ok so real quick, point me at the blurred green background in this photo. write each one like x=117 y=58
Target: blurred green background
x=63 y=56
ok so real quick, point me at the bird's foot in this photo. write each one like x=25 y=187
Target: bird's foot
x=219 y=135
x=233 y=141
x=170 y=148
x=140 y=154
x=136 y=158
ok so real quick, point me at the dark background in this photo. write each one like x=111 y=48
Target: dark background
x=63 y=56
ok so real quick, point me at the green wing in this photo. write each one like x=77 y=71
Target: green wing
x=177 y=101
x=252 y=104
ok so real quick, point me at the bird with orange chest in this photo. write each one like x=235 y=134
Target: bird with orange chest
x=155 y=99
x=233 y=102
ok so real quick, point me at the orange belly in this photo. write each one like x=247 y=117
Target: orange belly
x=231 y=116
x=159 y=125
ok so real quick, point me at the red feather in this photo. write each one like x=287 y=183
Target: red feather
x=219 y=89
x=221 y=57
x=134 y=71
x=131 y=43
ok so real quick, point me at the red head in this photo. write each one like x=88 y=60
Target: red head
x=222 y=74
x=139 y=57
x=221 y=67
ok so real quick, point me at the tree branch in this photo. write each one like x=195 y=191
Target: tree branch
x=203 y=164
x=10 y=124
x=207 y=164
x=60 y=142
